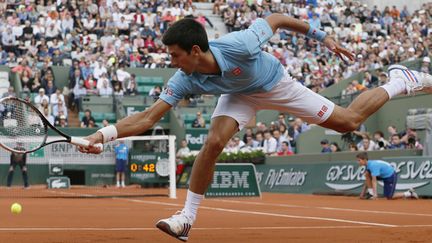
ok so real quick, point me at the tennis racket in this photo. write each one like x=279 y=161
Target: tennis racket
x=24 y=129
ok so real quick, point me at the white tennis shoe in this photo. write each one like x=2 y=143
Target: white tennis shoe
x=414 y=81
x=413 y=193
x=177 y=226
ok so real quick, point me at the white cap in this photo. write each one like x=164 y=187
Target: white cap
x=426 y=59
x=411 y=49
x=374 y=45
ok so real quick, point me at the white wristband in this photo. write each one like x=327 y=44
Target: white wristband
x=109 y=133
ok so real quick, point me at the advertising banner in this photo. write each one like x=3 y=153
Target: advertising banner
x=345 y=177
x=234 y=180
x=196 y=137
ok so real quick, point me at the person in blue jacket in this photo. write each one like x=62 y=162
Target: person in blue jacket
x=379 y=170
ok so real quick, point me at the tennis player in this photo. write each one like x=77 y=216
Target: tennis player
x=248 y=80
x=379 y=170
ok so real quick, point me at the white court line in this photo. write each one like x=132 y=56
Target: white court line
x=264 y=213
x=202 y=228
x=324 y=208
x=255 y=212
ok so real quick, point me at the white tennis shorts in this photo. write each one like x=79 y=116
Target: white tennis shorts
x=288 y=96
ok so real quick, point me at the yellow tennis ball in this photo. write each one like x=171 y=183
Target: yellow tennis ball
x=16 y=208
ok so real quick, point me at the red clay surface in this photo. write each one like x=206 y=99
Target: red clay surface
x=272 y=218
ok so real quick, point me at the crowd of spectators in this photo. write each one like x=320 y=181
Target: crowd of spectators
x=376 y=37
x=364 y=141
x=275 y=139
x=97 y=38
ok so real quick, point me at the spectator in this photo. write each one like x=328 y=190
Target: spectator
x=40 y=97
x=380 y=142
x=44 y=105
x=87 y=118
x=9 y=93
x=325 y=146
x=285 y=149
x=426 y=65
x=50 y=88
x=250 y=143
x=8 y=40
x=62 y=121
x=155 y=91
x=105 y=123
x=352 y=147
x=366 y=144
x=279 y=139
x=411 y=139
x=106 y=90
x=199 y=121
x=248 y=133
x=281 y=119
x=183 y=151
x=238 y=143
x=47 y=114
x=396 y=143
x=335 y=147
x=270 y=143
x=132 y=91
x=60 y=108
x=259 y=138
x=118 y=91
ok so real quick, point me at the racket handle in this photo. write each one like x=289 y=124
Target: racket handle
x=85 y=143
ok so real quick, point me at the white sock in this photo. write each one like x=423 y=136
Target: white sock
x=118 y=183
x=407 y=194
x=370 y=190
x=192 y=203
x=123 y=184
x=394 y=87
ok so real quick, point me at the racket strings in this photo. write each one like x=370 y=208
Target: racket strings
x=21 y=126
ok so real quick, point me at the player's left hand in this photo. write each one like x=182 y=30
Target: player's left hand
x=341 y=52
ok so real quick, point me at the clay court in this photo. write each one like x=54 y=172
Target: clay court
x=129 y=215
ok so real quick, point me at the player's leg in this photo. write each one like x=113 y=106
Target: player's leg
x=350 y=118
x=401 y=81
x=221 y=131
x=10 y=175
x=25 y=176
x=230 y=115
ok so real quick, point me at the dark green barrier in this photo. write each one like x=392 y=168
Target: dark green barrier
x=38 y=174
x=345 y=176
x=196 y=137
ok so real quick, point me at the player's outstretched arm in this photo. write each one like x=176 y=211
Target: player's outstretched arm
x=277 y=21
x=132 y=125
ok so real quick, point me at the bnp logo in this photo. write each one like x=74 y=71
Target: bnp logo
x=230 y=179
